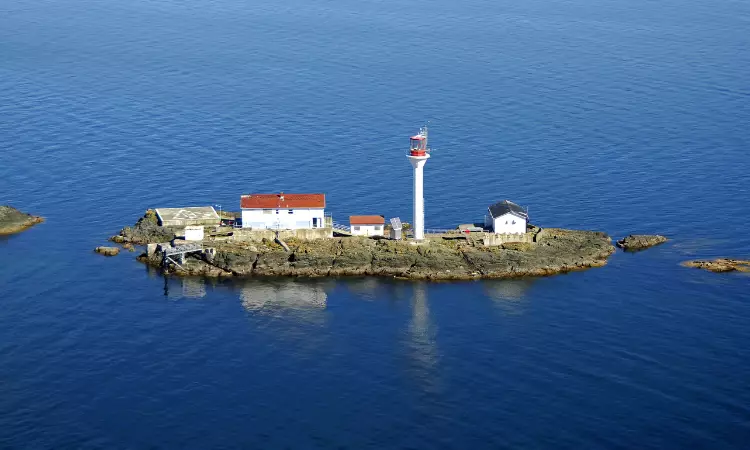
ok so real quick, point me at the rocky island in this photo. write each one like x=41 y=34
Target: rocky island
x=14 y=221
x=720 y=265
x=637 y=242
x=550 y=251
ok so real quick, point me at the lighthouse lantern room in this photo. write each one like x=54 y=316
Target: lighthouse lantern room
x=418 y=144
x=418 y=155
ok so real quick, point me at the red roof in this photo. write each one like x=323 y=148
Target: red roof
x=366 y=220
x=282 y=201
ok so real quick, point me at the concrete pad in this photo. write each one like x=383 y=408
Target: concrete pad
x=192 y=215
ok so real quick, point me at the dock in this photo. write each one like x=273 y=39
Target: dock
x=176 y=254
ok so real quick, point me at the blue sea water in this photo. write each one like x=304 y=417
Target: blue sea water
x=620 y=116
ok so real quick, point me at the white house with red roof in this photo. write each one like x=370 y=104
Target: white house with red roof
x=283 y=211
x=367 y=225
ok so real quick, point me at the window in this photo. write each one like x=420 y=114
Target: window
x=377 y=227
x=291 y=211
x=514 y=222
x=277 y=211
x=356 y=228
x=266 y=211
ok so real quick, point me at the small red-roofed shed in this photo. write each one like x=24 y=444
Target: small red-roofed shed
x=367 y=225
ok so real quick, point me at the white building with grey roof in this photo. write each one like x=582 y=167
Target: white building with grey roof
x=506 y=217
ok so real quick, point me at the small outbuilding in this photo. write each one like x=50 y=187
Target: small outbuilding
x=367 y=225
x=194 y=233
x=506 y=217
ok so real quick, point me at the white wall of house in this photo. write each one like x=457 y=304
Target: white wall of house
x=509 y=223
x=285 y=219
x=367 y=230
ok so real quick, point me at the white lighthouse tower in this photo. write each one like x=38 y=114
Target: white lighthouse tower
x=418 y=155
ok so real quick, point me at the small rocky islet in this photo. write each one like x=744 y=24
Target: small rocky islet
x=638 y=242
x=551 y=251
x=107 y=251
x=14 y=221
x=720 y=265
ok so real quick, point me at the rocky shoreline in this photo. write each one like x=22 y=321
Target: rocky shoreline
x=552 y=251
x=145 y=231
x=14 y=221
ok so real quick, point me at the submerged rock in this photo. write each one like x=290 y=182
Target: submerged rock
x=554 y=251
x=720 y=265
x=636 y=242
x=107 y=251
x=14 y=221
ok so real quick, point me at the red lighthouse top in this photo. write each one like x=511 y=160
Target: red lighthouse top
x=418 y=143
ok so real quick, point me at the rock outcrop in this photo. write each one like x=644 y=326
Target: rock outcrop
x=146 y=231
x=14 y=221
x=636 y=242
x=720 y=265
x=554 y=251
x=107 y=251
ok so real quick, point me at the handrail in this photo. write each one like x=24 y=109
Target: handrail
x=442 y=231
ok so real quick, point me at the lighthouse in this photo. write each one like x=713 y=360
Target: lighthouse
x=418 y=155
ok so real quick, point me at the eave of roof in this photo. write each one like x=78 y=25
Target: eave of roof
x=283 y=201
x=366 y=220
x=507 y=207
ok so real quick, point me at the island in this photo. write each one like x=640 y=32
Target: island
x=720 y=265
x=637 y=242
x=14 y=221
x=462 y=257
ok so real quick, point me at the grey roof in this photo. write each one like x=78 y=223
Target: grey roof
x=505 y=207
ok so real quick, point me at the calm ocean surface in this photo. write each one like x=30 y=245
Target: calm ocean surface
x=620 y=116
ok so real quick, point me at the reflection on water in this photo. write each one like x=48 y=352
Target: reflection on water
x=422 y=345
x=365 y=288
x=193 y=288
x=175 y=287
x=257 y=295
x=291 y=312
x=508 y=295
x=260 y=294
x=153 y=272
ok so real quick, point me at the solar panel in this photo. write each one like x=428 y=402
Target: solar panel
x=396 y=223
